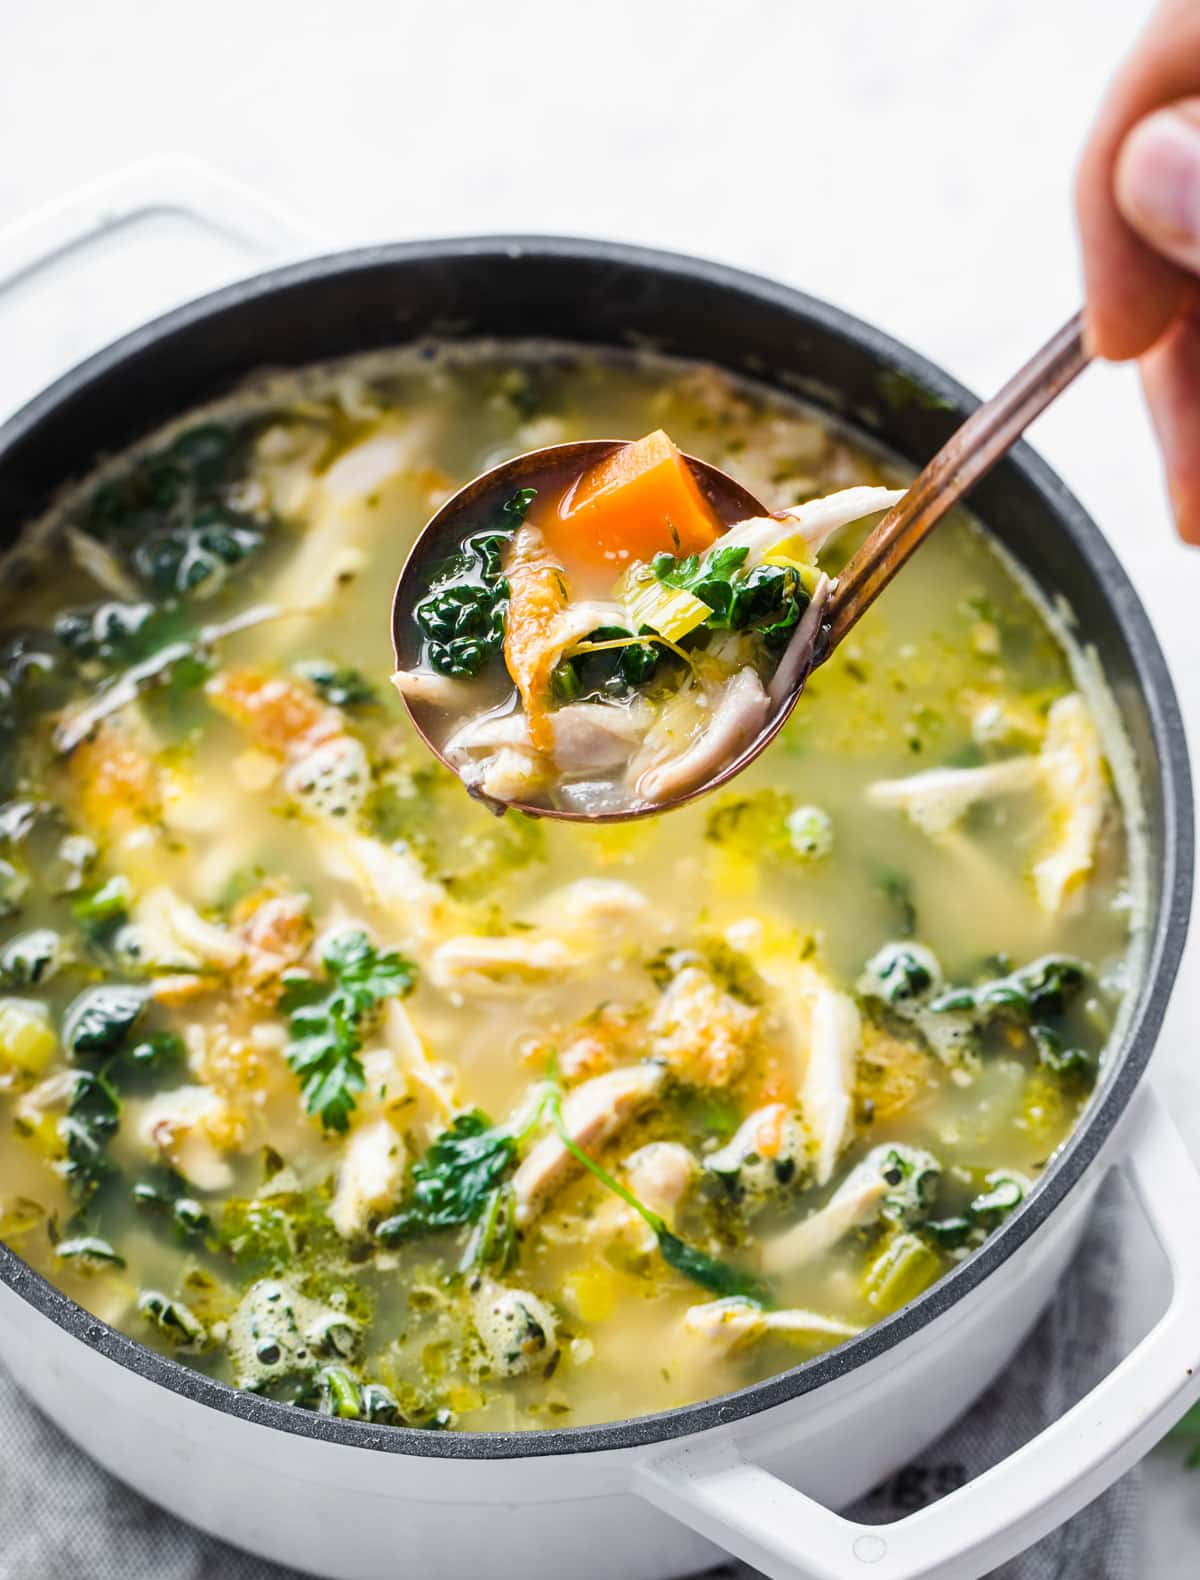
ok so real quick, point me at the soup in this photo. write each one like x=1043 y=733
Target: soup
x=325 y=1080
x=609 y=636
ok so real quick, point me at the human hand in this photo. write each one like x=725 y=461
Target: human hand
x=1138 y=205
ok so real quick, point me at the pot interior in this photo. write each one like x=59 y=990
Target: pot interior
x=609 y=296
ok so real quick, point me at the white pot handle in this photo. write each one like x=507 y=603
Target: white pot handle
x=68 y=298
x=168 y=185
x=767 y=1523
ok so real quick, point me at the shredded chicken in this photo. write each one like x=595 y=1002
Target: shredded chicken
x=723 y=1326
x=368 y=1178
x=1069 y=773
x=855 y=1202
x=193 y=1128
x=593 y=1114
x=827 y=1090
x=739 y=712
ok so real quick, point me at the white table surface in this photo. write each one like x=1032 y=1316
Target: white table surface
x=785 y=136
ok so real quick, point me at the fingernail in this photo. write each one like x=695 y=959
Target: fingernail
x=1158 y=177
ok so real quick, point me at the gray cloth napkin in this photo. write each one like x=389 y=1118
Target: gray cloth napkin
x=63 y=1518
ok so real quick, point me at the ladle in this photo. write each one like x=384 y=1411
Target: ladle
x=970 y=452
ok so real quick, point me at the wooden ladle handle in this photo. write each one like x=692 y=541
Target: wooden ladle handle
x=971 y=451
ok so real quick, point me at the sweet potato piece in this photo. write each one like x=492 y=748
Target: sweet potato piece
x=641 y=501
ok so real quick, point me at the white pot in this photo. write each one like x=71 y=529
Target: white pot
x=756 y=1473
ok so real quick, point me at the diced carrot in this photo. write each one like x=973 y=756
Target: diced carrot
x=643 y=500
x=113 y=778
x=283 y=716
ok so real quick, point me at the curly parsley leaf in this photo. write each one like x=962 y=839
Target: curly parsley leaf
x=768 y=599
x=329 y=1018
x=455 y=1180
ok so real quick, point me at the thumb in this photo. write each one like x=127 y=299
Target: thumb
x=1158 y=182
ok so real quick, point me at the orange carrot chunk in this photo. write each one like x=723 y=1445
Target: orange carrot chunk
x=642 y=501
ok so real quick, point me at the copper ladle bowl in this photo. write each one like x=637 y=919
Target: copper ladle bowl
x=443 y=533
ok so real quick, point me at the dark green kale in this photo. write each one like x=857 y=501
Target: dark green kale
x=92 y=1119
x=31 y=957
x=98 y=1033
x=99 y=1019
x=338 y=683
x=769 y=599
x=165 y=1193
x=1001 y=1193
x=1030 y=997
x=454 y=1182
x=611 y=672
x=170 y=516
x=329 y=1018
x=462 y=616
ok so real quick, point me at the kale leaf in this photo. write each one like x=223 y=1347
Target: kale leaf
x=338 y=683
x=328 y=1020
x=462 y=616
x=455 y=1180
x=1042 y=990
x=611 y=672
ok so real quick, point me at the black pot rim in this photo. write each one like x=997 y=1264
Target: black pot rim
x=1162 y=955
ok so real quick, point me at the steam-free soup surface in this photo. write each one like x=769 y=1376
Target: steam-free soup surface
x=304 y=1055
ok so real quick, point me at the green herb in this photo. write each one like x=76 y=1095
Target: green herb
x=462 y=616
x=328 y=1020
x=338 y=684
x=493 y=1241
x=710 y=1272
x=454 y=1182
x=768 y=599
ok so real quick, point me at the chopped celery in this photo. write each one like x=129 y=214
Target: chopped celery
x=904 y=1266
x=668 y=610
x=27 y=1039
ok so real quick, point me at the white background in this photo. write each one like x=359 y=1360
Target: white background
x=909 y=160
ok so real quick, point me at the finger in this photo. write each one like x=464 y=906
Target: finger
x=1133 y=292
x=1157 y=182
x=1171 y=380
